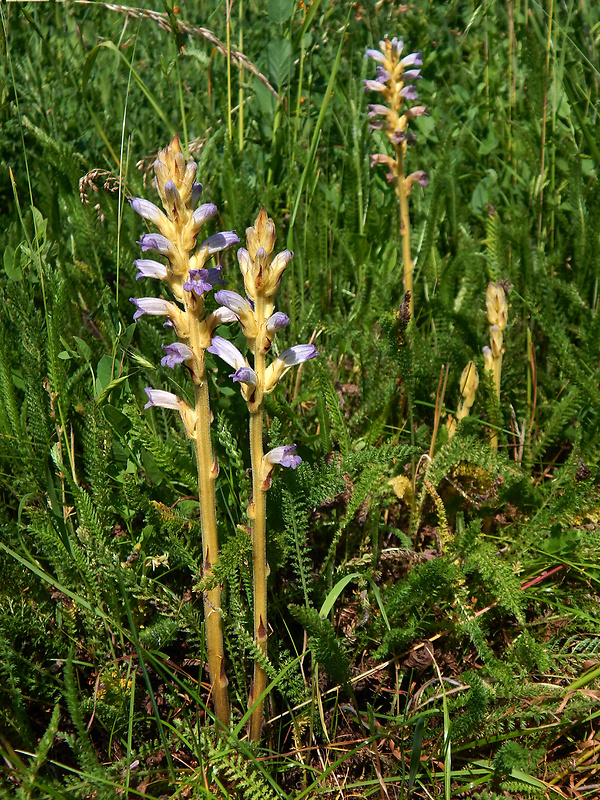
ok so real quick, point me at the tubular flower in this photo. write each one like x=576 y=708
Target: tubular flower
x=231 y=355
x=241 y=308
x=288 y=359
x=284 y=456
x=150 y=269
x=176 y=353
x=156 y=397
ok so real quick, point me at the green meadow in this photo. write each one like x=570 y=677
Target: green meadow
x=321 y=525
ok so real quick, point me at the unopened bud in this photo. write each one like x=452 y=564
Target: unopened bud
x=496 y=305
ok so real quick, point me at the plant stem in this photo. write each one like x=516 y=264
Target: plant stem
x=241 y=80
x=207 y=473
x=259 y=525
x=404 y=224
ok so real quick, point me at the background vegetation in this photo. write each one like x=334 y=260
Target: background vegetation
x=433 y=636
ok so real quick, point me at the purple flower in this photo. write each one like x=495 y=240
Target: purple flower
x=409 y=92
x=412 y=75
x=231 y=355
x=284 y=456
x=241 y=307
x=420 y=177
x=156 y=397
x=151 y=305
x=373 y=86
x=204 y=212
x=154 y=241
x=416 y=111
x=147 y=210
x=150 y=269
x=234 y=302
x=197 y=285
x=219 y=241
x=176 y=353
x=277 y=321
x=376 y=55
x=297 y=354
x=412 y=60
x=245 y=375
x=376 y=109
x=203 y=280
x=196 y=193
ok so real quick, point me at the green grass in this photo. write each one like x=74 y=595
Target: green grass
x=398 y=667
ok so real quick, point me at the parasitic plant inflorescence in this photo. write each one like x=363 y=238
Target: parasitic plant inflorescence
x=497 y=314
x=391 y=114
x=262 y=272
x=188 y=277
x=469 y=383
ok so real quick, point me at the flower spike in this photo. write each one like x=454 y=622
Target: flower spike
x=189 y=278
x=394 y=87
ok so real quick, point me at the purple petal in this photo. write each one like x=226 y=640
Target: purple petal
x=198 y=286
x=412 y=75
x=154 y=241
x=376 y=109
x=420 y=177
x=412 y=60
x=204 y=212
x=147 y=210
x=196 y=193
x=284 y=456
x=398 y=137
x=373 y=86
x=222 y=314
x=219 y=241
x=150 y=269
x=211 y=275
x=156 y=397
x=277 y=321
x=150 y=305
x=416 y=111
x=298 y=354
x=176 y=353
x=233 y=301
x=245 y=375
x=397 y=45
x=409 y=92
x=227 y=351
x=376 y=55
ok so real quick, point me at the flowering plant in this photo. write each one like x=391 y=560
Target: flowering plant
x=394 y=85
x=262 y=272
x=189 y=278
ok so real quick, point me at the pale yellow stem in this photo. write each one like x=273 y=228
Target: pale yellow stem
x=207 y=473
x=404 y=224
x=259 y=526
